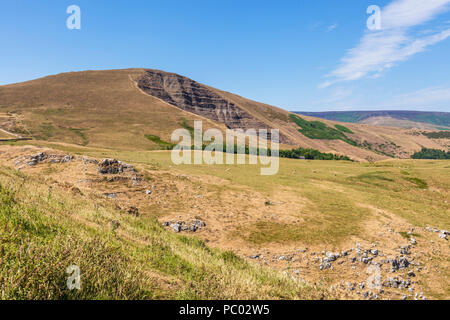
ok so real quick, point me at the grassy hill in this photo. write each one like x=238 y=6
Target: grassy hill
x=138 y=109
x=407 y=119
x=45 y=230
x=263 y=239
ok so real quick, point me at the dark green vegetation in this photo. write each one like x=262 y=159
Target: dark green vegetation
x=300 y=153
x=162 y=144
x=186 y=126
x=319 y=130
x=437 y=134
x=47 y=130
x=431 y=154
x=310 y=154
x=436 y=118
x=80 y=133
x=343 y=129
x=418 y=182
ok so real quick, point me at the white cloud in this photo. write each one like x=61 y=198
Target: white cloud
x=428 y=98
x=381 y=50
x=332 y=27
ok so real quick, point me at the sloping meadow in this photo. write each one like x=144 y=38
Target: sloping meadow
x=44 y=230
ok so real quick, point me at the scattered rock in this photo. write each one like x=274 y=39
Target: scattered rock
x=325 y=265
x=133 y=211
x=398 y=264
x=184 y=226
x=87 y=160
x=405 y=250
x=76 y=190
x=41 y=157
x=176 y=227
x=114 y=166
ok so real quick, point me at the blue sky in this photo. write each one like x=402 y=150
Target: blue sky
x=299 y=55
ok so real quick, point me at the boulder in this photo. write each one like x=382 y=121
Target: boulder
x=114 y=166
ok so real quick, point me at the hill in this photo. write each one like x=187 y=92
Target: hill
x=138 y=109
x=402 y=119
x=313 y=231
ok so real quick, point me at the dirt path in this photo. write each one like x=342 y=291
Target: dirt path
x=10 y=133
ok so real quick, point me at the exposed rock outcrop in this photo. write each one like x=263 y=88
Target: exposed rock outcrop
x=114 y=166
x=199 y=99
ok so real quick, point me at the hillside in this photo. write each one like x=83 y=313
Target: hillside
x=137 y=109
x=96 y=187
x=310 y=232
x=402 y=119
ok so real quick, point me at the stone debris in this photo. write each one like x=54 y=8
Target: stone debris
x=397 y=283
x=114 y=166
x=88 y=160
x=284 y=258
x=133 y=211
x=398 y=264
x=179 y=226
x=42 y=157
x=325 y=265
x=443 y=234
x=405 y=250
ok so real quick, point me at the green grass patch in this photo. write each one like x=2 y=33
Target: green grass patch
x=343 y=129
x=80 y=133
x=47 y=131
x=319 y=130
x=161 y=143
x=37 y=249
x=418 y=182
x=43 y=233
x=188 y=127
x=408 y=236
x=376 y=175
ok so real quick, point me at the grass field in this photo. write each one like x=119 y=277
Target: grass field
x=322 y=205
x=107 y=109
x=44 y=231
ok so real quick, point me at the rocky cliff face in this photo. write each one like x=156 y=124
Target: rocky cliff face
x=194 y=97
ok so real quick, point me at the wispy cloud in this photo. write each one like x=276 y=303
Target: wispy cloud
x=428 y=98
x=332 y=27
x=381 y=50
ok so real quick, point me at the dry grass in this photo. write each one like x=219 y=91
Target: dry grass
x=45 y=230
x=105 y=109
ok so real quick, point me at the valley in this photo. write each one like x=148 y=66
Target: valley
x=319 y=227
x=94 y=185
